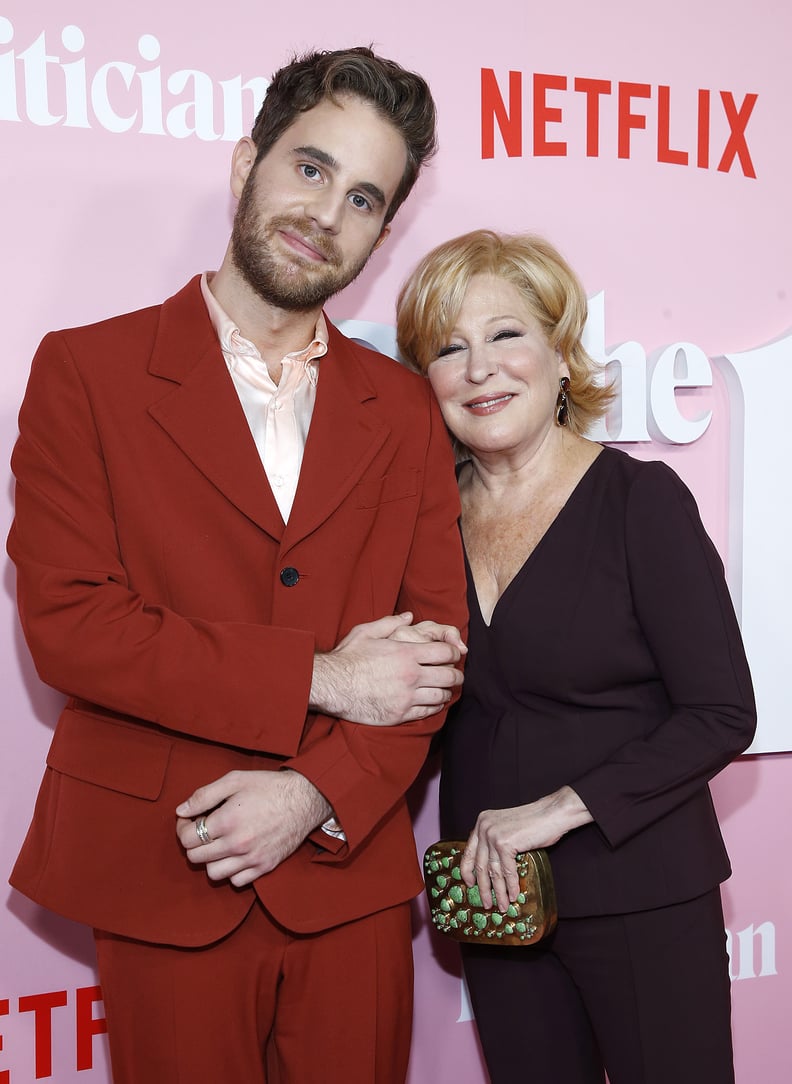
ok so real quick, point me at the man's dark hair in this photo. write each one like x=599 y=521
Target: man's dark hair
x=401 y=97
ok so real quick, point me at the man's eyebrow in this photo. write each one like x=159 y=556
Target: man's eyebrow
x=318 y=155
x=375 y=194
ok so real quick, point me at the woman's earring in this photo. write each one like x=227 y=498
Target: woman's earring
x=562 y=410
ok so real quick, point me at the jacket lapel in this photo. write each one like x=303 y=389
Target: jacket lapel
x=344 y=437
x=201 y=411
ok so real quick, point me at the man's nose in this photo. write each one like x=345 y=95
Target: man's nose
x=326 y=208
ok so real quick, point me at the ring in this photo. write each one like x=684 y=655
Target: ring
x=201 y=830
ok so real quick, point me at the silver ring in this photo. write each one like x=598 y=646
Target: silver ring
x=201 y=830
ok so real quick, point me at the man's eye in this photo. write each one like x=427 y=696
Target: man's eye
x=360 y=202
x=310 y=172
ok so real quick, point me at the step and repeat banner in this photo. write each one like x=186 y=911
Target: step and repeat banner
x=650 y=143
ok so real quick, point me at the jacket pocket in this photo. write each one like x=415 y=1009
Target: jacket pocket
x=117 y=756
x=392 y=487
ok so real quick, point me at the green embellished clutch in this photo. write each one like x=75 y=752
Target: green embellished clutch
x=458 y=911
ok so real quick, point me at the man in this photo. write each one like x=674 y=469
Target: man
x=218 y=499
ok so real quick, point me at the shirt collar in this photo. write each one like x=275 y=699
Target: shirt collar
x=233 y=343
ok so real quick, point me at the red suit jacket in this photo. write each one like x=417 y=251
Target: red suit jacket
x=151 y=554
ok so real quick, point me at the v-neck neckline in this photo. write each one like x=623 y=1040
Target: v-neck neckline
x=473 y=594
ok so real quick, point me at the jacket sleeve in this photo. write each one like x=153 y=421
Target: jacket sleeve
x=364 y=771
x=92 y=636
x=684 y=610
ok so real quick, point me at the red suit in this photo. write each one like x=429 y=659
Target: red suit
x=160 y=590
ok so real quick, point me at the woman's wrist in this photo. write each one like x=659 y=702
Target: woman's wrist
x=571 y=808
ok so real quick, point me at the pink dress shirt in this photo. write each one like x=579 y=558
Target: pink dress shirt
x=279 y=415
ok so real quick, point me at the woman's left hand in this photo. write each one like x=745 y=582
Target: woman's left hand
x=501 y=834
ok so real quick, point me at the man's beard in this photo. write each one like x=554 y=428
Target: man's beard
x=296 y=289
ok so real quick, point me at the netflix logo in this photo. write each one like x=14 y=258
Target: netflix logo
x=44 y=1008
x=706 y=128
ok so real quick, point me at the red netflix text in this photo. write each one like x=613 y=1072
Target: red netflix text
x=624 y=106
x=42 y=1006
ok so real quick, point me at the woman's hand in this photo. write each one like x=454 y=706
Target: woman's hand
x=501 y=834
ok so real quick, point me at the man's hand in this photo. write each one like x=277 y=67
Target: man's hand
x=388 y=672
x=254 y=820
x=426 y=632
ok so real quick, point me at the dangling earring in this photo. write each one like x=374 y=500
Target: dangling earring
x=562 y=410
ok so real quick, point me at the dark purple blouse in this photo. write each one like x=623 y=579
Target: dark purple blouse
x=613 y=663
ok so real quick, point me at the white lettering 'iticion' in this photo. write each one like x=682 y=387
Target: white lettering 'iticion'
x=65 y=85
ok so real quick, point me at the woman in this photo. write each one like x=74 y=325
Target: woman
x=606 y=683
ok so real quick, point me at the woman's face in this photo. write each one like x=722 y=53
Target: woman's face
x=496 y=379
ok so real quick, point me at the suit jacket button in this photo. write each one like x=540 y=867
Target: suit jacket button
x=289 y=576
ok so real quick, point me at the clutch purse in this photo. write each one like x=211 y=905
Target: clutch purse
x=460 y=913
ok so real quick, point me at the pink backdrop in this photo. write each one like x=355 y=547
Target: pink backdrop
x=651 y=146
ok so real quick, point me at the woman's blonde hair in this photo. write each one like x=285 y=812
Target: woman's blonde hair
x=430 y=300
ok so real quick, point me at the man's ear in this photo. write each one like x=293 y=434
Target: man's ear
x=243 y=159
x=384 y=234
